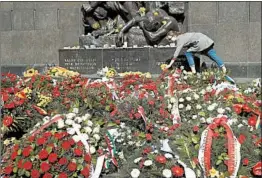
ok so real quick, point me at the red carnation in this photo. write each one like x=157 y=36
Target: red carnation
x=147 y=150
x=241 y=138
x=43 y=154
x=47 y=134
x=66 y=145
x=9 y=105
x=62 y=175
x=148 y=137
x=252 y=121
x=27 y=151
x=80 y=144
x=62 y=161
x=41 y=141
x=52 y=157
x=35 y=173
x=71 y=141
x=7 y=121
x=87 y=158
x=20 y=164
x=177 y=171
x=44 y=166
x=245 y=161
x=72 y=166
x=14 y=155
x=196 y=128
x=8 y=170
x=48 y=175
x=27 y=165
x=85 y=172
x=31 y=138
x=257 y=169
x=78 y=152
x=161 y=159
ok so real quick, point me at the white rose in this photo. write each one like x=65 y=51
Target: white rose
x=60 y=124
x=148 y=163
x=137 y=160
x=185 y=72
x=198 y=106
x=194 y=117
x=70 y=115
x=78 y=119
x=196 y=96
x=69 y=121
x=172 y=100
x=96 y=129
x=76 y=138
x=188 y=98
x=71 y=131
x=167 y=173
x=220 y=110
x=135 y=173
x=92 y=150
x=210 y=108
x=181 y=100
x=76 y=110
x=90 y=123
x=180 y=106
x=188 y=107
x=88 y=130
x=97 y=137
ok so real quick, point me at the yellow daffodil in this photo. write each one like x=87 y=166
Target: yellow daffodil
x=30 y=73
x=213 y=172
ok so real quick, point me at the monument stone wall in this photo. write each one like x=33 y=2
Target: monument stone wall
x=33 y=32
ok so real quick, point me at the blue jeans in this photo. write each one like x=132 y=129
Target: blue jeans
x=210 y=53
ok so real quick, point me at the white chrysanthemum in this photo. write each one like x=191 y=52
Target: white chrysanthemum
x=137 y=160
x=96 y=129
x=70 y=131
x=181 y=100
x=168 y=155
x=69 y=122
x=60 y=124
x=90 y=123
x=172 y=100
x=209 y=120
x=220 y=110
x=121 y=155
x=87 y=116
x=210 y=108
x=188 y=98
x=188 y=107
x=76 y=138
x=78 y=119
x=130 y=143
x=185 y=77
x=202 y=120
x=85 y=136
x=198 y=106
x=88 y=130
x=77 y=126
x=196 y=96
x=180 y=106
x=70 y=115
x=92 y=150
x=240 y=125
x=194 y=117
x=148 y=163
x=167 y=173
x=135 y=173
x=97 y=137
x=76 y=110
x=122 y=125
x=169 y=106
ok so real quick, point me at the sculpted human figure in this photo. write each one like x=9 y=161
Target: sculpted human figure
x=155 y=25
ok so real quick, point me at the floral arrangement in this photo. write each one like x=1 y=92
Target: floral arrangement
x=176 y=125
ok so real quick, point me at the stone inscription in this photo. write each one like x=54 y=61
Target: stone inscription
x=80 y=64
x=125 y=63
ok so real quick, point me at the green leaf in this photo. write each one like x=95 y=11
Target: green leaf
x=195 y=139
x=80 y=161
x=111 y=124
x=49 y=149
x=197 y=146
x=218 y=162
x=202 y=113
x=107 y=108
x=15 y=169
x=220 y=157
x=141 y=134
x=79 y=167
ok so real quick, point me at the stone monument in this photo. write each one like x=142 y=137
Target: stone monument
x=128 y=35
